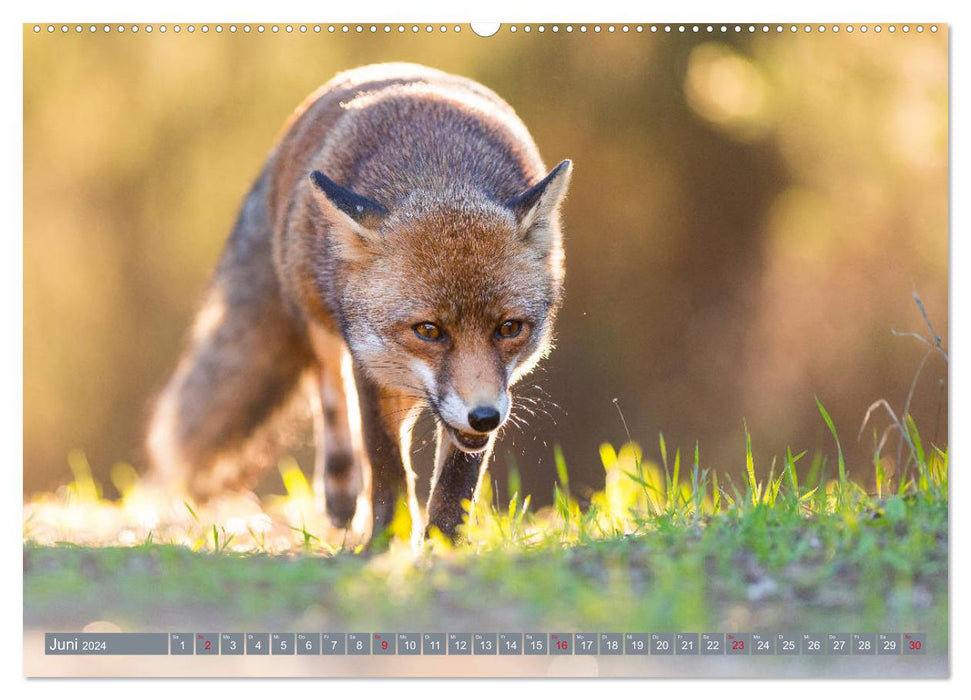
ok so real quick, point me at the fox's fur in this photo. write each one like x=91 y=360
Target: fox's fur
x=400 y=203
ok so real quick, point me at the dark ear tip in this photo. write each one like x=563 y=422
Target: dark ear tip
x=319 y=179
x=348 y=201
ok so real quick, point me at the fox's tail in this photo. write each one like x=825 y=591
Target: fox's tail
x=214 y=425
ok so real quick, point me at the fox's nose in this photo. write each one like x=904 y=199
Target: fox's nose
x=484 y=418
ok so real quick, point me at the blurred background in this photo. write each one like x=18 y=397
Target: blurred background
x=748 y=219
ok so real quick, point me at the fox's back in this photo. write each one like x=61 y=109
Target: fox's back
x=390 y=130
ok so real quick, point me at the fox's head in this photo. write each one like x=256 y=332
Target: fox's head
x=449 y=297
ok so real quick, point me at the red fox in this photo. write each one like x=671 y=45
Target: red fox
x=400 y=251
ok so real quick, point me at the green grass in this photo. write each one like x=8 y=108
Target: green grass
x=665 y=546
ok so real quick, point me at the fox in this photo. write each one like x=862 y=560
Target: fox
x=400 y=251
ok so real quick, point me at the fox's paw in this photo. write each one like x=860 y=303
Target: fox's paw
x=340 y=487
x=341 y=506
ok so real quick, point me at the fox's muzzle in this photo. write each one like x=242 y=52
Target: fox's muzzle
x=472 y=429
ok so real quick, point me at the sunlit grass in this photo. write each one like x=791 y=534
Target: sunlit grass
x=78 y=514
x=639 y=497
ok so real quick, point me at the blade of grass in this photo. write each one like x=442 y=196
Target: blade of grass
x=754 y=486
x=839 y=451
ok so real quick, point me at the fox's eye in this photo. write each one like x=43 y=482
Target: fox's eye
x=509 y=329
x=428 y=331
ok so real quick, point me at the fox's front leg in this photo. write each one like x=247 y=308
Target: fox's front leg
x=456 y=478
x=337 y=472
x=387 y=417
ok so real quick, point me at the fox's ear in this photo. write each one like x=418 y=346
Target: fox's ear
x=354 y=216
x=535 y=206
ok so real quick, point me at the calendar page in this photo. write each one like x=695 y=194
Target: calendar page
x=490 y=350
